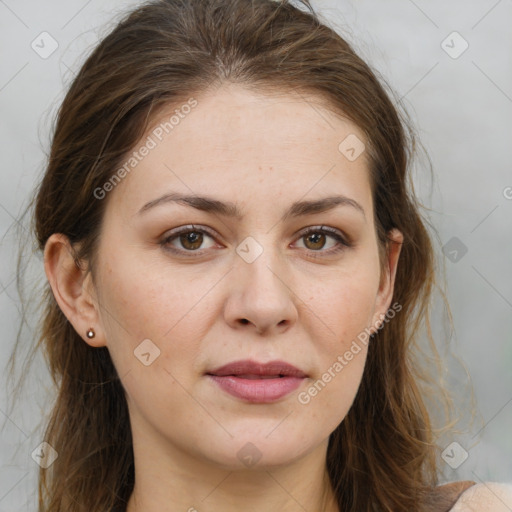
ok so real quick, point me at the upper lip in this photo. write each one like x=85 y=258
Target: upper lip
x=249 y=367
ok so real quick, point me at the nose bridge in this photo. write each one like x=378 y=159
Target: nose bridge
x=261 y=293
x=261 y=261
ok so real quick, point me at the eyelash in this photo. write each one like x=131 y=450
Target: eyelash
x=343 y=243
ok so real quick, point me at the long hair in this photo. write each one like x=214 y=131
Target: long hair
x=382 y=456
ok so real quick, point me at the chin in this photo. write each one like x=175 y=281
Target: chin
x=256 y=449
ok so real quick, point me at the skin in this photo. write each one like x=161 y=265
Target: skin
x=205 y=310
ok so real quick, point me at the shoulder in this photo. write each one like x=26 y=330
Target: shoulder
x=485 y=497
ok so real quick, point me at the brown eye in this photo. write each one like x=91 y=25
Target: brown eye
x=191 y=240
x=188 y=239
x=317 y=240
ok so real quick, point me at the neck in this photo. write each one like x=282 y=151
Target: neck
x=176 y=482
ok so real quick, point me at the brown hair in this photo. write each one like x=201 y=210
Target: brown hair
x=383 y=454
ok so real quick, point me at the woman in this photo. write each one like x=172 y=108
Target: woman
x=237 y=269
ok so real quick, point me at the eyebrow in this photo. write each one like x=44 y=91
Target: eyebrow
x=229 y=209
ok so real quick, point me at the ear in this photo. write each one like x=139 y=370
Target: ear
x=72 y=288
x=387 y=281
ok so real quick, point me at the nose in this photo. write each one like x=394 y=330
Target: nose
x=261 y=296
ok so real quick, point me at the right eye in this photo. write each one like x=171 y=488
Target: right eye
x=190 y=238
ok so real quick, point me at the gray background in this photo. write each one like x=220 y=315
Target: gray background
x=461 y=104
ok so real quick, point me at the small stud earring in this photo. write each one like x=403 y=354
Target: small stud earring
x=91 y=333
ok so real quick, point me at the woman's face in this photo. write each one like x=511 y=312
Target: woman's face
x=254 y=287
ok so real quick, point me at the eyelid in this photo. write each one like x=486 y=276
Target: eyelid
x=334 y=232
x=191 y=227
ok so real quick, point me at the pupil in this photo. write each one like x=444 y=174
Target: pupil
x=193 y=239
x=316 y=238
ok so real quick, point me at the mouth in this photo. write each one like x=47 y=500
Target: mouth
x=256 y=382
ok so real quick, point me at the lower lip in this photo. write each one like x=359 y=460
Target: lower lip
x=258 y=390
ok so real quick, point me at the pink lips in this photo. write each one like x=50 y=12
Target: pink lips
x=258 y=382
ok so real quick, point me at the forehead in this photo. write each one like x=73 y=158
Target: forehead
x=235 y=142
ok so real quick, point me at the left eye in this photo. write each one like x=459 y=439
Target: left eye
x=191 y=239
x=317 y=239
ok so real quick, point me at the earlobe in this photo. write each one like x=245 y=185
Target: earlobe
x=68 y=282
x=387 y=285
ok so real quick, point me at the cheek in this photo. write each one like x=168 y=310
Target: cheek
x=138 y=303
x=151 y=315
x=347 y=310
x=143 y=302
x=345 y=306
